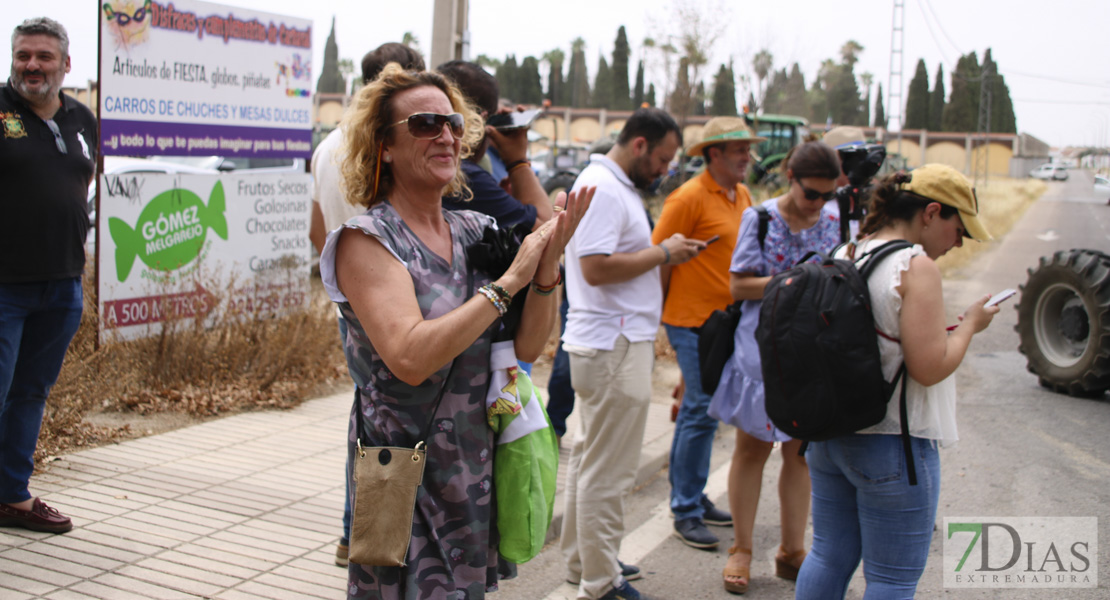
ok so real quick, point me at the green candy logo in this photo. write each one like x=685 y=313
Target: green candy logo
x=170 y=232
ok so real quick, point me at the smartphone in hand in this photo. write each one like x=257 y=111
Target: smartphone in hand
x=1001 y=297
x=513 y=120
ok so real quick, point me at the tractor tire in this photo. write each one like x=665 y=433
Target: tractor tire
x=562 y=182
x=1064 y=322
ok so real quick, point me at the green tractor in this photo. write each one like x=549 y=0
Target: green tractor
x=783 y=132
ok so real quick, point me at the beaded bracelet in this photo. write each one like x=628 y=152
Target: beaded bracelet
x=666 y=253
x=504 y=294
x=492 y=297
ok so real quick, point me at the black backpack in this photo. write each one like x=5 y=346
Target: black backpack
x=822 y=372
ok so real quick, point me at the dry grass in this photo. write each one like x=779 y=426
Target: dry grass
x=239 y=365
x=1001 y=203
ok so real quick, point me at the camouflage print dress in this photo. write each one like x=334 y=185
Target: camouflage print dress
x=453 y=553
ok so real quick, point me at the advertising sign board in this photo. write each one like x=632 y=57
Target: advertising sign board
x=187 y=246
x=195 y=78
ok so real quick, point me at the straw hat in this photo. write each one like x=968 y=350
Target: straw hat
x=843 y=135
x=720 y=130
x=946 y=185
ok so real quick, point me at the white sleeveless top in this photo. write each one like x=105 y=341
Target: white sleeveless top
x=931 y=409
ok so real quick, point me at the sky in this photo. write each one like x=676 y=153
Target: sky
x=1054 y=56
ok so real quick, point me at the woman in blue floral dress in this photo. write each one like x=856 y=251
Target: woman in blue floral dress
x=799 y=222
x=415 y=306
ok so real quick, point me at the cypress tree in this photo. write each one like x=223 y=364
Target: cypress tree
x=917 y=99
x=330 y=82
x=775 y=94
x=579 y=77
x=649 y=98
x=1002 y=106
x=962 y=111
x=844 y=96
x=880 y=114
x=530 y=90
x=699 y=100
x=936 y=101
x=603 y=86
x=680 y=104
x=817 y=98
x=865 y=101
x=724 y=94
x=555 y=81
x=638 y=93
x=507 y=78
x=620 y=97
x=794 y=97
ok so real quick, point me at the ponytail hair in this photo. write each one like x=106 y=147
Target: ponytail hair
x=889 y=203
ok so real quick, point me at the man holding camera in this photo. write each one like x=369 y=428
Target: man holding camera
x=707 y=207
x=528 y=204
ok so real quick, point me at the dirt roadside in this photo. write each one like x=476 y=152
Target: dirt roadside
x=132 y=424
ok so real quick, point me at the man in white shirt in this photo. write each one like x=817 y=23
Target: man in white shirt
x=612 y=278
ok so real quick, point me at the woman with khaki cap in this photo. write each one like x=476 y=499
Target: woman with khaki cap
x=864 y=505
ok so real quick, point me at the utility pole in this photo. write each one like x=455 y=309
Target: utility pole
x=982 y=157
x=896 y=112
x=450 y=31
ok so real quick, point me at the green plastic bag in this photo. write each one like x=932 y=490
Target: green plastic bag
x=525 y=463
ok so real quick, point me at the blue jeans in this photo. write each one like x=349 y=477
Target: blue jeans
x=560 y=394
x=37 y=323
x=864 y=506
x=693 y=431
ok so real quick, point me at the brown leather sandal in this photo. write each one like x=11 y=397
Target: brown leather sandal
x=742 y=573
x=788 y=565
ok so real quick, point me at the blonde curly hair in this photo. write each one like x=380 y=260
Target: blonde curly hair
x=367 y=179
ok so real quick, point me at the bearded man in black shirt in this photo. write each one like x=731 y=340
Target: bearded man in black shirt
x=48 y=143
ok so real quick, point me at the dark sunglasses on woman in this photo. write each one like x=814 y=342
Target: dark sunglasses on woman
x=429 y=126
x=812 y=194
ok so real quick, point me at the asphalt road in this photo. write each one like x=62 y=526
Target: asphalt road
x=1024 y=451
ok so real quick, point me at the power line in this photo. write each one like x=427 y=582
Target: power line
x=1070 y=102
x=1059 y=79
x=933 y=35
x=941 y=27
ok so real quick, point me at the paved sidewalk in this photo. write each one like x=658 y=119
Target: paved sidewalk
x=246 y=507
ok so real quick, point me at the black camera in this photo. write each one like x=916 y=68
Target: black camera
x=860 y=163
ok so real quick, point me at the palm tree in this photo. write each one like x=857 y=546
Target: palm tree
x=409 y=39
x=866 y=78
x=850 y=51
x=762 y=63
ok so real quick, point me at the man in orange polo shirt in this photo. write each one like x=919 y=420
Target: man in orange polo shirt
x=708 y=207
